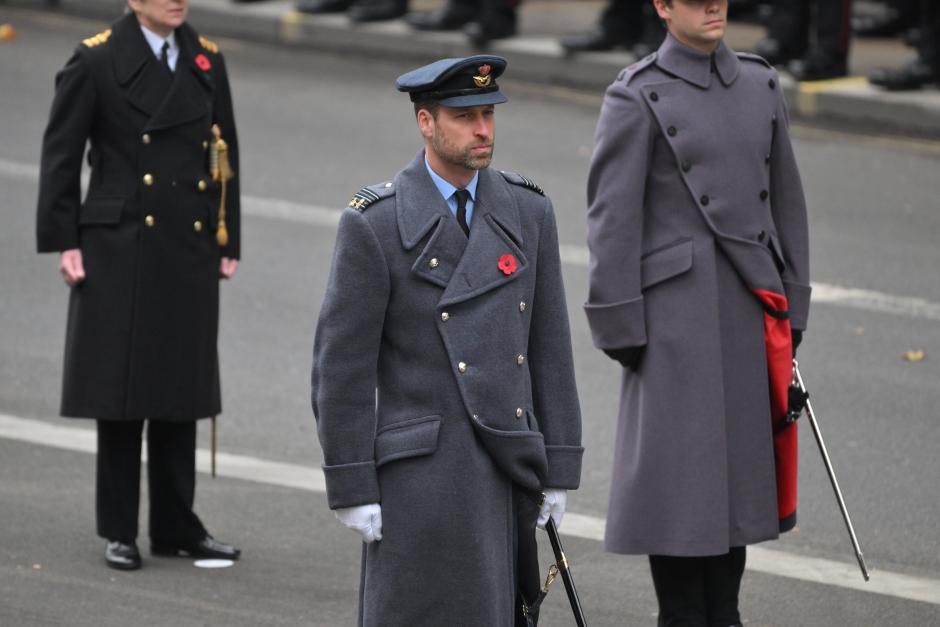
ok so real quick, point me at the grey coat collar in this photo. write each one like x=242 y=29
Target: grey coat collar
x=465 y=267
x=694 y=66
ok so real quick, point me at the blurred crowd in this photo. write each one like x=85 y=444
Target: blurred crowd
x=808 y=38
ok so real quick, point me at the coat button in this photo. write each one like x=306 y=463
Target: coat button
x=462 y=367
x=197 y=226
x=773 y=118
x=671 y=131
x=686 y=166
x=445 y=316
x=148 y=220
x=201 y=185
x=764 y=194
x=654 y=96
x=519 y=412
x=772 y=83
x=766 y=158
x=433 y=263
x=520 y=359
x=148 y=180
x=145 y=138
x=522 y=307
x=704 y=200
x=761 y=236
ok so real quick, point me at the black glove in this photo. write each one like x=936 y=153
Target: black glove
x=796 y=335
x=628 y=357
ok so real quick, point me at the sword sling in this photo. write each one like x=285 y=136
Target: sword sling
x=561 y=563
x=832 y=475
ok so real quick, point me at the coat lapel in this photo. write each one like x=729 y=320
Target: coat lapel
x=135 y=67
x=189 y=93
x=494 y=232
x=421 y=210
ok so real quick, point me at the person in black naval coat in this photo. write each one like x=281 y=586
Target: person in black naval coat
x=142 y=255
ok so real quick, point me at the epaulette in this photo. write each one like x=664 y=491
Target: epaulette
x=748 y=56
x=98 y=39
x=518 y=179
x=371 y=194
x=633 y=69
x=209 y=45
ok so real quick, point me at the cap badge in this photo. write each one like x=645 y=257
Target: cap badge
x=484 y=79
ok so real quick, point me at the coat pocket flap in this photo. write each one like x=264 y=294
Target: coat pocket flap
x=101 y=210
x=410 y=438
x=666 y=263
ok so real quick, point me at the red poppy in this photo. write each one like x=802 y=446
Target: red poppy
x=203 y=62
x=507 y=263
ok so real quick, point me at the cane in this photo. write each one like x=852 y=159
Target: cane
x=561 y=563
x=798 y=379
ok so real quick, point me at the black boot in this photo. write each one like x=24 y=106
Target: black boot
x=377 y=10
x=323 y=6
x=914 y=75
x=448 y=17
x=817 y=66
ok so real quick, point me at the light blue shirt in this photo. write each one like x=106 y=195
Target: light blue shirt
x=447 y=191
x=156 y=44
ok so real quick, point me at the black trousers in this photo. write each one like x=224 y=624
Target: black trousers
x=792 y=24
x=698 y=591
x=171 y=479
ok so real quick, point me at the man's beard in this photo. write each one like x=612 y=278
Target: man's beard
x=464 y=157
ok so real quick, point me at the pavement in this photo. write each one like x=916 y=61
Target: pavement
x=536 y=57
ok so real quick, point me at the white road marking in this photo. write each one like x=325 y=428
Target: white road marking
x=572 y=255
x=759 y=559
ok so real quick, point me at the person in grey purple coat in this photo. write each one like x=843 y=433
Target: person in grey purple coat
x=443 y=379
x=699 y=287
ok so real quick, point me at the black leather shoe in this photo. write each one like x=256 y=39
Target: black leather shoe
x=323 y=6
x=207 y=547
x=595 y=40
x=817 y=67
x=775 y=53
x=892 y=23
x=122 y=556
x=444 y=18
x=481 y=33
x=914 y=75
x=376 y=11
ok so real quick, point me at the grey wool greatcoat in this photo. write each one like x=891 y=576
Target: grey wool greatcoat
x=694 y=200
x=438 y=381
x=142 y=327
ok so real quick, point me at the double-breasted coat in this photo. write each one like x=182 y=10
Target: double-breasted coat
x=440 y=379
x=142 y=327
x=695 y=206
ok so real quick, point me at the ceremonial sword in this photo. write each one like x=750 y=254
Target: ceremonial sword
x=794 y=413
x=561 y=563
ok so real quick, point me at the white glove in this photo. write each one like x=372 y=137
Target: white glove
x=366 y=520
x=554 y=506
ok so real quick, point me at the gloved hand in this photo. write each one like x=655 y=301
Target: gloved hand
x=554 y=506
x=366 y=520
x=796 y=336
x=628 y=357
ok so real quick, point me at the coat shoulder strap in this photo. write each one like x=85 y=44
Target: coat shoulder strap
x=371 y=194
x=627 y=74
x=518 y=179
x=209 y=45
x=756 y=58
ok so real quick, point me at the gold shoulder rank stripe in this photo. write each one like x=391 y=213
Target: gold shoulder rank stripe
x=209 y=45
x=98 y=39
x=363 y=198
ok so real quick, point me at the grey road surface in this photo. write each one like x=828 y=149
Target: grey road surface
x=314 y=129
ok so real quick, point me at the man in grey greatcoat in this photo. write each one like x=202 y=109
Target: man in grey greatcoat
x=699 y=287
x=443 y=381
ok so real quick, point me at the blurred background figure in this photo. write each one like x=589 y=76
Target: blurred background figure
x=811 y=37
x=481 y=20
x=622 y=24
x=898 y=17
x=355 y=10
x=925 y=68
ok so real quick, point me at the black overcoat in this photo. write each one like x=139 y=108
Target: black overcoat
x=142 y=327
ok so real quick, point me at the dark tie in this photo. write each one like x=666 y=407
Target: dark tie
x=165 y=56
x=462 y=197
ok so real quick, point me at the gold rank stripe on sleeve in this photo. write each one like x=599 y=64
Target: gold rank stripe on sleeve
x=98 y=39
x=209 y=45
x=363 y=198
